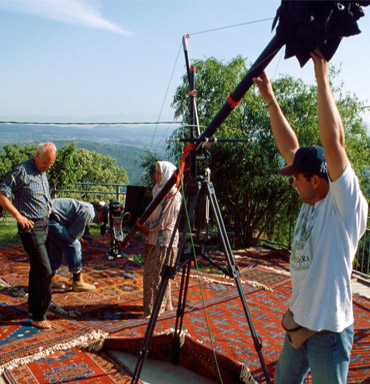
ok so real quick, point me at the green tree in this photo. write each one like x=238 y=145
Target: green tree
x=149 y=165
x=12 y=155
x=72 y=165
x=254 y=199
x=78 y=165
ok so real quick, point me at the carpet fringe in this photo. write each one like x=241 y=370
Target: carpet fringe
x=246 y=376
x=171 y=331
x=252 y=283
x=275 y=270
x=92 y=341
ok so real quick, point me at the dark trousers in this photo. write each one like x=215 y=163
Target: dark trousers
x=40 y=275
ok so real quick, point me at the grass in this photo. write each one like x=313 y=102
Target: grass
x=8 y=233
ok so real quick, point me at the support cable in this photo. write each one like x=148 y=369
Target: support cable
x=165 y=97
x=232 y=26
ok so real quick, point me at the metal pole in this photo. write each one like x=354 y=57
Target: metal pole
x=235 y=97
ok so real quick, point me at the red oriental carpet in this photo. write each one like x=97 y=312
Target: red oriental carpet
x=232 y=337
x=74 y=365
x=85 y=319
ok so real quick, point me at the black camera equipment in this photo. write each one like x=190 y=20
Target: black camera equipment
x=115 y=228
x=295 y=20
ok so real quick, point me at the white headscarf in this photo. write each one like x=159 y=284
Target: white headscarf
x=167 y=170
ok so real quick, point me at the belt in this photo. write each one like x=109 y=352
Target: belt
x=38 y=219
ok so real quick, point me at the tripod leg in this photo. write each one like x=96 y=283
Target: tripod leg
x=234 y=271
x=194 y=252
x=186 y=265
x=166 y=273
x=180 y=312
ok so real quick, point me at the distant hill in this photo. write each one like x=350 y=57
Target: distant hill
x=142 y=136
x=127 y=157
x=128 y=145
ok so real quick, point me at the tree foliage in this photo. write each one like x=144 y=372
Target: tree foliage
x=256 y=202
x=72 y=165
x=149 y=165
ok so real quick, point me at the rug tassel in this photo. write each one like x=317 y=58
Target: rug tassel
x=93 y=342
x=183 y=333
x=246 y=376
x=227 y=281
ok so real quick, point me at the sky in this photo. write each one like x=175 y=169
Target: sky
x=121 y=61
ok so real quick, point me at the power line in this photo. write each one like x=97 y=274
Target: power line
x=90 y=123
x=134 y=123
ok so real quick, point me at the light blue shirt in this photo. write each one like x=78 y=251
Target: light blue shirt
x=74 y=214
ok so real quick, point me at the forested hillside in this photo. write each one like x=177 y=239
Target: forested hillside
x=126 y=144
x=127 y=157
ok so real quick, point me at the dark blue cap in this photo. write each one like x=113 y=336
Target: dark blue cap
x=307 y=160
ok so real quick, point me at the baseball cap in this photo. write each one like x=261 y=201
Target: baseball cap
x=307 y=160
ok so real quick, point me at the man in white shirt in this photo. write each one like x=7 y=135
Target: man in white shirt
x=331 y=222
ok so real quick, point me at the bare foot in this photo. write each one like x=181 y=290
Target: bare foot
x=42 y=324
x=169 y=307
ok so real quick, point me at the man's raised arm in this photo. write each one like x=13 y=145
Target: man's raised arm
x=285 y=137
x=330 y=122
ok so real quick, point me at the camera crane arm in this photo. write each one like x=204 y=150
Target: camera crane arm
x=235 y=97
x=288 y=31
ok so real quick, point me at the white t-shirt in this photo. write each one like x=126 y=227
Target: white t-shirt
x=324 y=246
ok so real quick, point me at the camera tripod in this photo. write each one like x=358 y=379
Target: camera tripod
x=200 y=189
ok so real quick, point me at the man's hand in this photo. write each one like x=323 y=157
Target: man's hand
x=265 y=87
x=330 y=122
x=321 y=65
x=23 y=222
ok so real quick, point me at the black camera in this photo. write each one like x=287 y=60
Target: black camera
x=115 y=228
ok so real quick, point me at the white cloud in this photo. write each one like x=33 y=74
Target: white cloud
x=80 y=12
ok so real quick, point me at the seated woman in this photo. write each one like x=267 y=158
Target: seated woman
x=158 y=231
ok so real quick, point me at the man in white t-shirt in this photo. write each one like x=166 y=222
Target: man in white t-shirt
x=331 y=222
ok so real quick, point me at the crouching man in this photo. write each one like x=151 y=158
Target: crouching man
x=69 y=219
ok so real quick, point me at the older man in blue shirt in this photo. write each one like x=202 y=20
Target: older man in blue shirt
x=31 y=208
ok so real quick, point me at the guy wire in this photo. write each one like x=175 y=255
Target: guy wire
x=165 y=96
x=232 y=26
x=197 y=33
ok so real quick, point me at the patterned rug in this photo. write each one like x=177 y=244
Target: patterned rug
x=72 y=366
x=121 y=299
x=231 y=335
x=119 y=287
x=21 y=343
x=115 y=308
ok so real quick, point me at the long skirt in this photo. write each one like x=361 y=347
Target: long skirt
x=154 y=258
